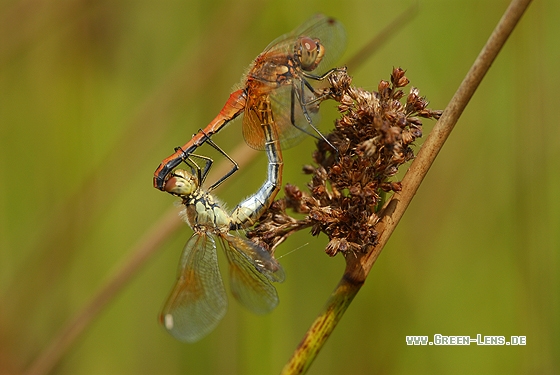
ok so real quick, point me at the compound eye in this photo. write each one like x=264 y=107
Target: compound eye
x=181 y=183
x=311 y=53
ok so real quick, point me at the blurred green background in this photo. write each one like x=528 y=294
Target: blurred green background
x=94 y=94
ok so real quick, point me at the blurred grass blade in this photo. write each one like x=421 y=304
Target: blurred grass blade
x=382 y=37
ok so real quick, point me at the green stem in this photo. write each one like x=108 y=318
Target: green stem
x=327 y=320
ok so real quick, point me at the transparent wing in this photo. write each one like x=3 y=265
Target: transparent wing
x=290 y=123
x=288 y=109
x=257 y=257
x=252 y=129
x=251 y=269
x=198 y=300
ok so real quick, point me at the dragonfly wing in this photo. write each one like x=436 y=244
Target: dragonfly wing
x=252 y=128
x=289 y=129
x=291 y=123
x=258 y=257
x=331 y=35
x=198 y=300
x=250 y=272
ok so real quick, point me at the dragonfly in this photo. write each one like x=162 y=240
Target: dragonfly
x=281 y=74
x=198 y=300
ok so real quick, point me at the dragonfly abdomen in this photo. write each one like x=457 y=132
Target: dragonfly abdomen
x=249 y=211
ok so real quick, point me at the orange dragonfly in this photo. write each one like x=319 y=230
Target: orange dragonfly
x=198 y=300
x=281 y=73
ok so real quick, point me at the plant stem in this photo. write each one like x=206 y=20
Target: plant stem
x=325 y=323
x=357 y=268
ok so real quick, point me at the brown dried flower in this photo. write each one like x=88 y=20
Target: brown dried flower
x=373 y=137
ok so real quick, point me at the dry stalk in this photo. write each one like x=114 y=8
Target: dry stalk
x=345 y=190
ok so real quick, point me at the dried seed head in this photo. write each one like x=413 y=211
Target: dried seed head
x=373 y=137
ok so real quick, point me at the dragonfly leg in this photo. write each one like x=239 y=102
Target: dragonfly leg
x=231 y=171
x=298 y=95
x=200 y=172
x=319 y=95
x=187 y=158
x=323 y=76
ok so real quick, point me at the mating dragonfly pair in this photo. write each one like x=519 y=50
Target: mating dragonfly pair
x=280 y=107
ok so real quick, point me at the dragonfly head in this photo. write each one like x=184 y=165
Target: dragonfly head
x=310 y=52
x=181 y=183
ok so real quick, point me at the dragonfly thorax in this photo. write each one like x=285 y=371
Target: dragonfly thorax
x=201 y=210
x=272 y=72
